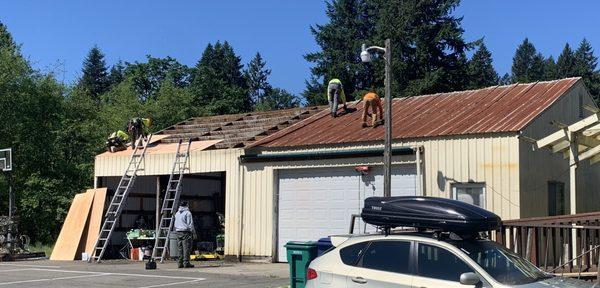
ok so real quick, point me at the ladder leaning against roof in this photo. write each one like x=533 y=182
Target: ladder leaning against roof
x=116 y=204
x=171 y=200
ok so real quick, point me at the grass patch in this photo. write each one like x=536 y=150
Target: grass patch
x=39 y=247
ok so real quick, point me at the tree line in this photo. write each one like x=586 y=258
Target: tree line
x=57 y=129
x=429 y=52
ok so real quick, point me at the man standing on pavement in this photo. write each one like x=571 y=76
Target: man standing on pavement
x=335 y=96
x=184 y=227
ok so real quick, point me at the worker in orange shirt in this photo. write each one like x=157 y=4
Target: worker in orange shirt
x=372 y=100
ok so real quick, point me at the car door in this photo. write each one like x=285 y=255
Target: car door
x=437 y=267
x=384 y=264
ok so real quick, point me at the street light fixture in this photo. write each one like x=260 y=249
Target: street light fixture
x=365 y=56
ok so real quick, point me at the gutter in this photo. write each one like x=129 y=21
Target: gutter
x=254 y=158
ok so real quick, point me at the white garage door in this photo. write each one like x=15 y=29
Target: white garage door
x=316 y=203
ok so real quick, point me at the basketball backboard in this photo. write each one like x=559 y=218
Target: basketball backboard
x=6 y=159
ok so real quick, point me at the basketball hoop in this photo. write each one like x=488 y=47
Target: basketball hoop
x=6 y=159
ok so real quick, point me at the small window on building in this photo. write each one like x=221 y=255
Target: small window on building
x=472 y=193
x=556 y=198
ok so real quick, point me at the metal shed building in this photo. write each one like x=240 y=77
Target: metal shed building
x=302 y=180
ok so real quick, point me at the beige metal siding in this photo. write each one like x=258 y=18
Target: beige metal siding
x=540 y=166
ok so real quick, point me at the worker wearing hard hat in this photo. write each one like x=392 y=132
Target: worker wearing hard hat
x=138 y=127
x=117 y=141
x=373 y=101
x=335 y=96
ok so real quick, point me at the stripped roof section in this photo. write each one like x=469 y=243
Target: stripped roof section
x=489 y=110
x=237 y=130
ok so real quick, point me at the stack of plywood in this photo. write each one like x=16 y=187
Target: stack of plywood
x=81 y=227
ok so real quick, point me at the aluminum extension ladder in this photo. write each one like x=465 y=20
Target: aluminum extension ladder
x=119 y=199
x=171 y=200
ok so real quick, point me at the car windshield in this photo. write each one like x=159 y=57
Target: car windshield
x=503 y=265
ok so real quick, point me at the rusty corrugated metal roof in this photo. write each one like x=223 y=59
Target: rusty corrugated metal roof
x=237 y=130
x=494 y=109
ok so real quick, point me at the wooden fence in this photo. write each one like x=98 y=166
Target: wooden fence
x=567 y=245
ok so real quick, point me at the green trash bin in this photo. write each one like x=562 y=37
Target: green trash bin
x=299 y=256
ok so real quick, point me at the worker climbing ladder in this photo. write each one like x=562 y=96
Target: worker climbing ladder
x=171 y=200
x=115 y=208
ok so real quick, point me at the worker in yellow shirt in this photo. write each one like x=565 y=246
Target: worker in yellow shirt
x=335 y=96
x=117 y=141
x=372 y=100
x=137 y=127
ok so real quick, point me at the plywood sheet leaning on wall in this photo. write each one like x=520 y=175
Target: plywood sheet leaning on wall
x=70 y=235
x=94 y=221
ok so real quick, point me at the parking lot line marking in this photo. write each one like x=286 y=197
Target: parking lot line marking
x=52 y=279
x=125 y=274
x=31 y=266
x=15 y=270
x=172 y=284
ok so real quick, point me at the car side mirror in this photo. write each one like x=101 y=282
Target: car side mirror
x=469 y=278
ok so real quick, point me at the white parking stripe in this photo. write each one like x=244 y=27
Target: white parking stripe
x=31 y=266
x=15 y=270
x=172 y=284
x=51 y=279
x=125 y=274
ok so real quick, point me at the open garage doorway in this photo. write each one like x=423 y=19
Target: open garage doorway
x=205 y=193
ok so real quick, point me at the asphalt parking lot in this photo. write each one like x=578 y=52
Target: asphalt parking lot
x=132 y=274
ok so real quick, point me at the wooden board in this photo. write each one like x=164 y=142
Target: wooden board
x=94 y=220
x=72 y=229
x=163 y=148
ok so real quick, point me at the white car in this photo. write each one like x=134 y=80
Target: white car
x=419 y=260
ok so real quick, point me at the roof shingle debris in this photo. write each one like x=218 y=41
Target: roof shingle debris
x=238 y=130
x=489 y=110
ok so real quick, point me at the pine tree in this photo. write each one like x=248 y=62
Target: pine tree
x=219 y=86
x=481 y=70
x=566 y=63
x=550 y=69
x=258 y=78
x=6 y=40
x=528 y=64
x=117 y=74
x=276 y=98
x=351 y=23
x=505 y=79
x=585 y=66
x=95 y=74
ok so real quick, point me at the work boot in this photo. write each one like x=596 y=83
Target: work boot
x=364 y=125
x=180 y=265
x=188 y=265
x=333 y=114
x=346 y=110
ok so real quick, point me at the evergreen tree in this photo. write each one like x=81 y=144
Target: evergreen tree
x=219 y=86
x=566 y=63
x=6 y=41
x=528 y=64
x=258 y=78
x=314 y=93
x=94 y=80
x=550 y=69
x=117 y=74
x=481 y=70
x=505 y=79
x=351 y=23
x=276 y=98
x=428 y=48
x=585 y=66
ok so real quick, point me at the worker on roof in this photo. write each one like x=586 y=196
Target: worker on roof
x=138 y=127
x=117 y=141
x=335 y=96
x=372 y=100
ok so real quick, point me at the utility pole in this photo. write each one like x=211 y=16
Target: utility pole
x=387 y=152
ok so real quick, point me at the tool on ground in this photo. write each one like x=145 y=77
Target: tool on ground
x=171 y=200
x=119 y=198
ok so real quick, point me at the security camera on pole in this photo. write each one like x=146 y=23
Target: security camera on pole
x=365 y=56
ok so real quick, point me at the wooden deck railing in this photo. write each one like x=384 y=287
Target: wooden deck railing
x=567 y=245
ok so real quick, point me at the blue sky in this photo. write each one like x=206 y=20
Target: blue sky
x=56 y=35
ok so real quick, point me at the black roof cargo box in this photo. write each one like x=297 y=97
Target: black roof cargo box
x=428 y=213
